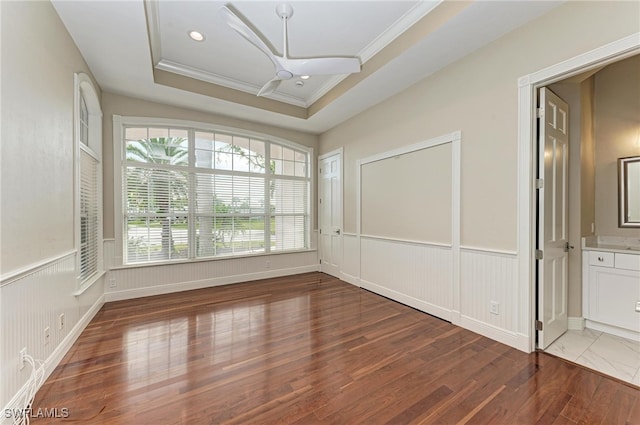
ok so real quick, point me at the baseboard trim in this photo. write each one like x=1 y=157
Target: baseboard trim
x=204 y=283
x=510 y=338
x=421 y=305
x=575 y=323
x=504 y=336
x=613 y=330
x=63 y=348
x=354 y=280
x=56 y=356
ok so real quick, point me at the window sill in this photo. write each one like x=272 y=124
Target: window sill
x=89 y=283
x=201 y=260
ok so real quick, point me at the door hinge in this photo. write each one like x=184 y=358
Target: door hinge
x=319 y=170
x=539 y=183
x=539 y=254
x=538 y=325
x=320 y=230
x=321 y=261
x=539 y=112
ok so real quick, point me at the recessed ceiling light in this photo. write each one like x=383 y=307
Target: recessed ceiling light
x=195 y=35
x=304 y=77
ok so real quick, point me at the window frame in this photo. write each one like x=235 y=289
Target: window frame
x=121 y=123
x=85 y=95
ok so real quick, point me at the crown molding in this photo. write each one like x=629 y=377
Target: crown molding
x=198 y=74
x=403 y=23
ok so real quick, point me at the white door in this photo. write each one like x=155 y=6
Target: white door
x=330 y=213
x=553 y=226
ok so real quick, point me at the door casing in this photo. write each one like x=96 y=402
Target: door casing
x=527 y=161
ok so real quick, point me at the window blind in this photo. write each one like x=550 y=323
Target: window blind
x=89 y=218
x=190 y=193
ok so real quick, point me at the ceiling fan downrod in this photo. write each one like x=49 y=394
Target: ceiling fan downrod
x=285 y=12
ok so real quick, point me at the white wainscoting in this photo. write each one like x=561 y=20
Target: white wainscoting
x=490 y=276
x=134 y=282
x=417 y=274
x=351 y=258
x=422 y=276
x=32 y=301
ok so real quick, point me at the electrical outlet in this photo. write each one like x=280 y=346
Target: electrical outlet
x=46 y=335
x=22 y=361
x=112 y=283
x=494 y=307
x=267 y=264
x=61 y=321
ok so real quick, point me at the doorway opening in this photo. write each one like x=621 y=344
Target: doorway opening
x=571 y=80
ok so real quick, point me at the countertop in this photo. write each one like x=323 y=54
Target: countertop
x=610 y=244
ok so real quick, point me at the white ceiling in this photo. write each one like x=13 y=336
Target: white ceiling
x=122 y=44
x=246 y=68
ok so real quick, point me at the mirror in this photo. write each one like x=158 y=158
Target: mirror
x=629 y=192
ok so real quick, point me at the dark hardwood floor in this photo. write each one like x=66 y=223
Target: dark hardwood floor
x=310 y=349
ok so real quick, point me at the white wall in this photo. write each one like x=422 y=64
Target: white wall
x=37 y=256
x=478 y=95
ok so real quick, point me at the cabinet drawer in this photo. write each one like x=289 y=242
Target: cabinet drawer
x=602 y=259
x=627 y=261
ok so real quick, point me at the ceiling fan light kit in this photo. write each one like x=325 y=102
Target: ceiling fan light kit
x=286 y=68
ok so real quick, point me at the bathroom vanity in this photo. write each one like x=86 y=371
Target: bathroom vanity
x=611 y=285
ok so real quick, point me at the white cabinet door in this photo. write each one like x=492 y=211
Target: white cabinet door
x=613 y=294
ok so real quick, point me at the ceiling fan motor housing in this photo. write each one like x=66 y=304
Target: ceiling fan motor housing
x=285 y=67
x=283 y=74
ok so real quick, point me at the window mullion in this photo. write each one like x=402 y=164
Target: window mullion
x=191 y=196
x=267 y=197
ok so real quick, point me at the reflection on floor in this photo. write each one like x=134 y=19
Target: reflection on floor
x=609 y=354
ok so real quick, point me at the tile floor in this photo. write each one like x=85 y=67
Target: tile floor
x=609 y=354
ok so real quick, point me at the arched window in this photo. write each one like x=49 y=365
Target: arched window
x=88 y=135
x=191 y=191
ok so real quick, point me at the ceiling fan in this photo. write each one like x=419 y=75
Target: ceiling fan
x=286 y=67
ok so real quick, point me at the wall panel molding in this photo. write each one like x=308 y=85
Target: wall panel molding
x=32 y=302
x=41 y=266
x=418 y=275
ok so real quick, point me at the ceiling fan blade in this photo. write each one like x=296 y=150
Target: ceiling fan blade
x=245 y=31
x=270 y=87
x=322 y=66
